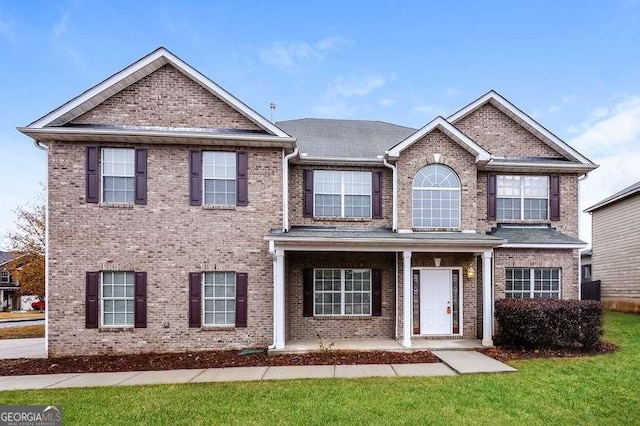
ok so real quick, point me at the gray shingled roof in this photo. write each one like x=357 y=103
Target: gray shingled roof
x=351 y=233
x=347 y=139
x=627 y=192
x=522 y=234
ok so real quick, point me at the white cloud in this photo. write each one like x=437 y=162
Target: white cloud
x=427 y=109
x=386 y=102
x=451 y=92
x=60 y=26
x=350 y=88
x=290 y=56
x=6 y=28
x=612 y=140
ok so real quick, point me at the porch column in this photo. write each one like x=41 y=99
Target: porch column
x=487 y=299
x=278 y=300
x=406 y=299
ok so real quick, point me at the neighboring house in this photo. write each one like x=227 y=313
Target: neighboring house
x=615 y=241
x=181 y=219
x=9 y=287
x=585 y=265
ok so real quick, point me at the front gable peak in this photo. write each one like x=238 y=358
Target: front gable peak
x=448 y=129
x=147 y=70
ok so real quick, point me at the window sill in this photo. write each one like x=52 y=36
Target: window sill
x=436 y=229
x=524 y=221
x=116 y=329
x=116 y=205
x=216 y=207
x=218 y=328
x=343 y=317
x=342 y=219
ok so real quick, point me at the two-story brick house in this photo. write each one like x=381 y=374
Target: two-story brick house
x=180 y=219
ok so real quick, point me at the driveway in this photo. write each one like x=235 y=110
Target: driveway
x=22 y=348
x=20 y=323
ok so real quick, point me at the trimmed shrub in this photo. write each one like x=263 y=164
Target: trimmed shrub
x=536 y=323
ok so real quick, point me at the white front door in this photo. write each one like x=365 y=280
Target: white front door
x=435 y=301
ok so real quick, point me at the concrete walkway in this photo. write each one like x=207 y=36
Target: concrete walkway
x=22 y=348
x=466 y=362
x=75 y=380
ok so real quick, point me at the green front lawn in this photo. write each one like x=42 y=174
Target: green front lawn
x=597 y=390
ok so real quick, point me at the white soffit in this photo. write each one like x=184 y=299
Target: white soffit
x=136 y=71
x=443 y=125
x=523 y=119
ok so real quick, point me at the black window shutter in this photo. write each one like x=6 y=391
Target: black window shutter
x=140 y=187
x=195 y=299
x=307 y=196
x=93 y=175
x=91 y=303
x=307 y=293
x=376 y=292
x=195 y=178
x=491 y=196
x=140 y=300
x=554 y=201
x=242 y=181
x=376 y=194
x=241 y=299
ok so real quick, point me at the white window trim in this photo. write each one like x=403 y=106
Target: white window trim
x=5 y=277
x=429 y=188
x=343 y=292
x=343 y=194
x=532 y=290
x=204 y=298
x=102 y=176
x=522 y=197
x=101 y=313
x=235 y=180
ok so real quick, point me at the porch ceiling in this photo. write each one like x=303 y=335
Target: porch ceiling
x=341 y=239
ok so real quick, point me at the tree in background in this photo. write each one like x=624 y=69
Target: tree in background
x=28 y=241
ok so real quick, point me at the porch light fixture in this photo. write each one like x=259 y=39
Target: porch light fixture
x=436 y=262
x=471 y=273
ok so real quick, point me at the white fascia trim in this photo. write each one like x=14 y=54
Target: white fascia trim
x=497 y=164
x=161 y=56
x=494 y=96
x=338 y=160
x=440 y=123
x=53 y=131
x=380 y=248
x=378 y=243
x=545 y=246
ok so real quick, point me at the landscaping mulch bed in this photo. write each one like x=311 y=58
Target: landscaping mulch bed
x=210 y=359
x=505 y=354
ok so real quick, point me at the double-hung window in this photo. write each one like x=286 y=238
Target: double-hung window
x=342 y=291
x=342 y=193
x=436 y=197
x=117 y=298
x=522 y=197
x=118 y=177
x=219 y=178
x=5 y=277
x=219 y=300
x=532 y=283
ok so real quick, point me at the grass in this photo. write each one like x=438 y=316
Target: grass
x=22 y=332
x=596 y=390
x=19 y=315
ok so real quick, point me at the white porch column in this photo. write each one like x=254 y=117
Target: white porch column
x=487 y=299
x=406 y=299
x=278 y=300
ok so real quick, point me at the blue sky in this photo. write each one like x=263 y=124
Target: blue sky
x=572 y=65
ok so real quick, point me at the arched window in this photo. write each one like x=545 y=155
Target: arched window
x=436 y=198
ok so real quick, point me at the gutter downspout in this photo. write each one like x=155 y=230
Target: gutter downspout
x=394 y=170
x=45 y=148
x=580 y=179
x=272 y=253
x=285 y=189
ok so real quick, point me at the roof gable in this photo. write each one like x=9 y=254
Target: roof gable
x=452 y=132
x=134 y=73
x=522 y=119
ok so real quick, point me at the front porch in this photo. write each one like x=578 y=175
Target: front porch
x=380 y=290
x=300 y=346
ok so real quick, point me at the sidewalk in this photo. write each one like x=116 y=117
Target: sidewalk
x=455 y=362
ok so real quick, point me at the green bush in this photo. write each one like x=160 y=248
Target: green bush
x=536 y=323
